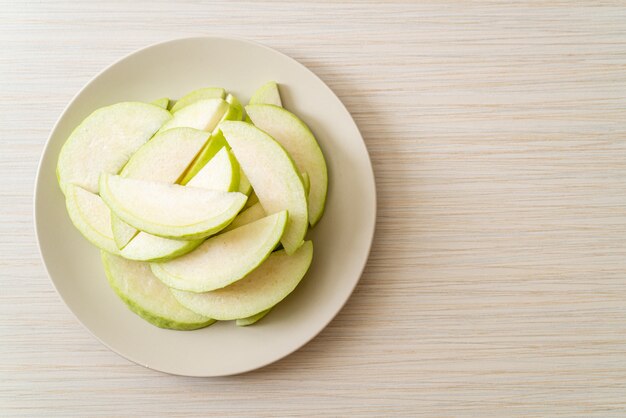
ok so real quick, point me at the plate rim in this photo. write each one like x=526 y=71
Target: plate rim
x=45 y=150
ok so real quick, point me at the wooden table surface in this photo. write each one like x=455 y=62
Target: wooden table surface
x=497 y=281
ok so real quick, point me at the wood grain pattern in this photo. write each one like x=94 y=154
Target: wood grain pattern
x=496 y=285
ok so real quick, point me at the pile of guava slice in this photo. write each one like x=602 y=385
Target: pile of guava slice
x=201 y=206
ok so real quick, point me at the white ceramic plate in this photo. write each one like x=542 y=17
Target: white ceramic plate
x=341 y=240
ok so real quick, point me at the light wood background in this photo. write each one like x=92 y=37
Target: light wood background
x=496 y=286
